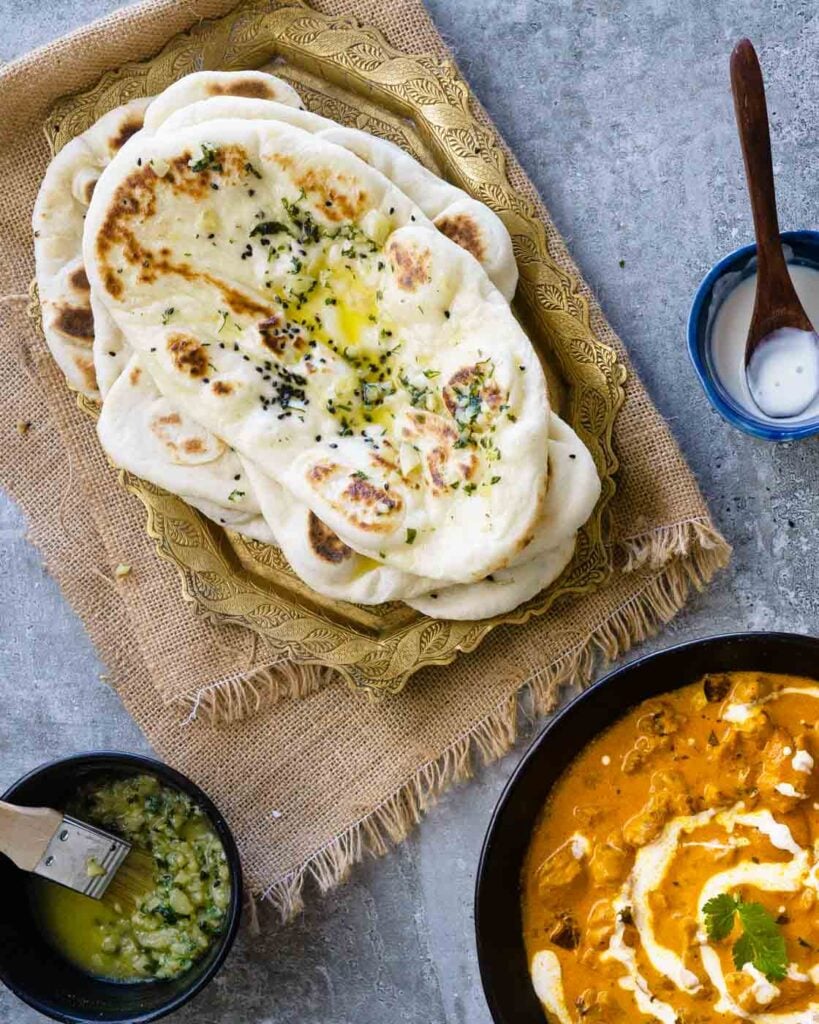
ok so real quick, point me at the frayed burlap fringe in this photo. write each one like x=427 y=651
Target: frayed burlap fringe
x=230 y=700
x=694 y=539
x=695 y=547
x=693 y=553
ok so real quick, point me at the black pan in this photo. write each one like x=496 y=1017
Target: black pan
x=501 y=955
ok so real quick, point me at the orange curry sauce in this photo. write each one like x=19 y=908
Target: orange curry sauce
x=711 y=789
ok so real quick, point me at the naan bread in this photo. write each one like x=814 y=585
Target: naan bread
x=69 y=310
x=574 y=487
x=144 y=433
x=203 y=85
x=266 y=330
x=332 y=568
x=465 y=220
x=469 y=222
x=58 y=221
x=318 y=557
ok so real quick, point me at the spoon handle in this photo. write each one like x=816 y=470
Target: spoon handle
x=775 y=289
x=752 y=122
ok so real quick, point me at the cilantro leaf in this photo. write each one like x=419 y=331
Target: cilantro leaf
x=719 y=916
x=761 y=943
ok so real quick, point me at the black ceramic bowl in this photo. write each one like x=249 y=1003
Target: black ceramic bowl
x=40 y=976
x=501 y=954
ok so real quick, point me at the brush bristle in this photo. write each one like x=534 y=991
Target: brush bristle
x=132 y=882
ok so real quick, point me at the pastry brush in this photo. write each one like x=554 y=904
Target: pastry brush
x=75 y=854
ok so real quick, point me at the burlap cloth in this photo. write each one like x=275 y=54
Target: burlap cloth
x=308 y=784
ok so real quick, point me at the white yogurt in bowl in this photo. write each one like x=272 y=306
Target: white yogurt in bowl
x=787 y=367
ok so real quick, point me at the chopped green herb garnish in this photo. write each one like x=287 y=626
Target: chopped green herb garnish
x=761 y=943
x=411 y=535
x=207 y=161
x=167 y=314
x=236 y=496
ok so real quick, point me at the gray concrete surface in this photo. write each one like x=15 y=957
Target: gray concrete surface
x=621 y=113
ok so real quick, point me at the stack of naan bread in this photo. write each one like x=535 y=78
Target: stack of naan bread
x=305 y=334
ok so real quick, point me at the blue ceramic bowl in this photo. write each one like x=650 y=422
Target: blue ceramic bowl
x=801 y=247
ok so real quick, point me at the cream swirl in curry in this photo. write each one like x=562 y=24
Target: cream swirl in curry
x=674 y=873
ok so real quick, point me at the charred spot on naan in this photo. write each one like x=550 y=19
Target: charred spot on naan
x=222 y=387
x=278 y=336
x=134 y=375
x=429 y=425
x=473 y=397
x=78 y=279
x=335 y=194
x=250 y=88
x=325 y=544
x=87 y=193
x=181 y=441
x=410 y=265
x=87 y=372
x=464 y=231
x=436 y=461
x=128 y=128
x=365 y=504
x=134 y=205
x=188 y=354
x=75 y=322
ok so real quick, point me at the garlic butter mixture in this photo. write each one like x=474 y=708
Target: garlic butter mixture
x=183 y=906
x=673 y=874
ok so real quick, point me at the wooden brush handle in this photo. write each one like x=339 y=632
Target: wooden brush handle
x=25 y=832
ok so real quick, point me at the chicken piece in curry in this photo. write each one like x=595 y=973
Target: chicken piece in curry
x=673 y=874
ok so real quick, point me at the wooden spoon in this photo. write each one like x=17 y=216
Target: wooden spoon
x=777 y=307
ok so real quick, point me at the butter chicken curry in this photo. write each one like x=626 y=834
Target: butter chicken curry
x=674 y=873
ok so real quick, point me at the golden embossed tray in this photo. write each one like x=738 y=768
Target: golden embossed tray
x=352 y=75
